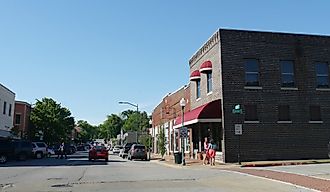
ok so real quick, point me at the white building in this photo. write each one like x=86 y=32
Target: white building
x=7 y=105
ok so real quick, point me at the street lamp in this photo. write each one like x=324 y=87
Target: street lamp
x=137 y=111
x=182 y=104
x=150 y=122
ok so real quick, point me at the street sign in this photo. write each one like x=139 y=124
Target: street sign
x=183 y=132
x=237 y=109
x=238 y=129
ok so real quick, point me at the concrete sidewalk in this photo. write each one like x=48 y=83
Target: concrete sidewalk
x=169 y=160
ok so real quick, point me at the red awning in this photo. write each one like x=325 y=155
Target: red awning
x=195 y=75
x=206 y=67
x=210 y=112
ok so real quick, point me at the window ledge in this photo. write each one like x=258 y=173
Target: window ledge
x=198 y=99
x=209 y=93
x=284 y=121
x=251 y=121
x=290 y=88
x=252 y=87
x=316 y=122
x=322 y=89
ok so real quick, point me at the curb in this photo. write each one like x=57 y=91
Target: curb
x=283 y=163
x=168 y=165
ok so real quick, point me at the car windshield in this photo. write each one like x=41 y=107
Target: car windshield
x=139 y=147
x=41 y=144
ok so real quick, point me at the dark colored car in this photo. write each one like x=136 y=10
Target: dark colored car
x=98 y=152
x=22 y=150
x=126 y=148
x=15 y=149
x=137 y=151
x=5 y=150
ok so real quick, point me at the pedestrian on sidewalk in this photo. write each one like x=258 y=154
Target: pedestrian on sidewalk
x=211 y=151
x=206 y=151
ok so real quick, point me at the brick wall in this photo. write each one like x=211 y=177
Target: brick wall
x=268 y=139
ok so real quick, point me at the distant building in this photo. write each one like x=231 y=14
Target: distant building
x=7 y=102
x=163 y=117
x=22 y=118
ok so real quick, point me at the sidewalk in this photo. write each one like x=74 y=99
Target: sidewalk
x=169 y=160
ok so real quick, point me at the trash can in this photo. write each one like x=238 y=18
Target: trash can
x=178 y=158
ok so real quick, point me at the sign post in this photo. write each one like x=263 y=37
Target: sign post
x=238 y=129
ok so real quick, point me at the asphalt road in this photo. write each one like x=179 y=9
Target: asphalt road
x=78 y=174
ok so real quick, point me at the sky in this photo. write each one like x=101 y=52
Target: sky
x=89 y=55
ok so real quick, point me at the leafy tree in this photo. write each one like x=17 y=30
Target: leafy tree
x=162 y=142
x=136 y=121
x=88 y=131
x=52 y=120
x=111 y=127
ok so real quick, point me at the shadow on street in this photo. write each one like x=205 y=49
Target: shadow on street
x=80 y=159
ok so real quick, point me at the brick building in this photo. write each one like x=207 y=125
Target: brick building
x=281 y=80
x=22 y=118
x=163 y=117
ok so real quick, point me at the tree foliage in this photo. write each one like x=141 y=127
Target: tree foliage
x=88 y=132
x=136 y=121
x=111 y=127
x=162 y=142
x=52 y=120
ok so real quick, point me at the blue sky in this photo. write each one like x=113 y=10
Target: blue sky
x=88 y=55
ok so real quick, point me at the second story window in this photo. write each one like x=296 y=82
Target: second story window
x=251 y=113
x=209 y=82
x=315 y=113
x=251 y=72
x=17 y=119
x=198 y=89
x=9 y=110
x=284 y=113
x=287 y=74
x=322 y=75
x=4 y=107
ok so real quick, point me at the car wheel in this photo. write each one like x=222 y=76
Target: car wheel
x=39 y=155
x=107 y=159
x=3 y=159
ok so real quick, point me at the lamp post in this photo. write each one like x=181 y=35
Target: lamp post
x=137 y=111
x=182 y=104
x=150 y=122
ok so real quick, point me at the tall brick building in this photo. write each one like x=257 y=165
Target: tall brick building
x=281 y=80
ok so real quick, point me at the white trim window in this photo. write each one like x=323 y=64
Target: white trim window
x=287 y=74
x=209 y=82
x=322 y=75
x=251 y=67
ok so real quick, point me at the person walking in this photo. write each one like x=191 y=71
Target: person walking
x=211 y=151
x=62 y=151
x=206 y=151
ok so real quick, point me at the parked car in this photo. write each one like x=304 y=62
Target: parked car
x=5 y=150
x=39 y=149
x=126 y=148
x=137 y=151
x=98 y=152
x=116 y=149
x=15 y=149
x=50 y=151
x=22 y=149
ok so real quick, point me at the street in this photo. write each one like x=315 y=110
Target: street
x=78 y=174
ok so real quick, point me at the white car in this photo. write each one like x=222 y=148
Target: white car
x=39 y=149
x=50 y=152
x=116 y=149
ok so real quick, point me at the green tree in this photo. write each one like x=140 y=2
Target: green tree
x=88 y=131
x=111 y=127
x=162 y=142
x=136 y=121
x=52 y=120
